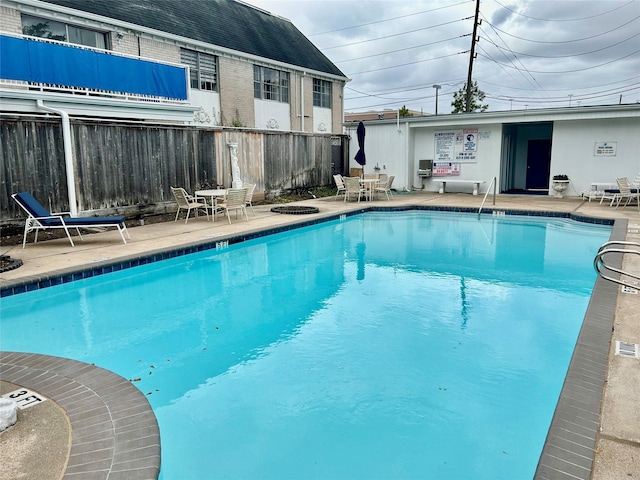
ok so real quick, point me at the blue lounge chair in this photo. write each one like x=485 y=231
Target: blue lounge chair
x=38 y=218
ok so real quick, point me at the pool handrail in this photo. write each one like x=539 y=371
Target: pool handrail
x=599 y=262
x=494 y=182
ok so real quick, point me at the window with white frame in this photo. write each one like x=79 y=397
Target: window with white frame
x=321 y=93
x=270 y=84
x=51 y=29
x=203 y=69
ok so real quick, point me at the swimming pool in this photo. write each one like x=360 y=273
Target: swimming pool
x=404 y=345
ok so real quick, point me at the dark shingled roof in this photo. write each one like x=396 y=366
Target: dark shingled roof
x=225 y=23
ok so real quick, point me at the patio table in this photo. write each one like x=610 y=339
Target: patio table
x=213 y=194
x=369 y=184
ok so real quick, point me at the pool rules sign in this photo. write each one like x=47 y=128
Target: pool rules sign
x=456 y=146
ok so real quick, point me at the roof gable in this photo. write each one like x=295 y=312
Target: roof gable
x=225 y=23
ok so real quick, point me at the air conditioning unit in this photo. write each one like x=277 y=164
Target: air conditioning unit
x=425 y=168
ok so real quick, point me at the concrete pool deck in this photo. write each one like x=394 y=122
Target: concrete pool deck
x=617 y=450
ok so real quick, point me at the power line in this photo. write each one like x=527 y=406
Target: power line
x=395 y=34
x=566 y=41
x=576 y=88
x=577 y=69
x=386 y=20
x=403 y=49
x=528 y=77
x=563 y=19
x=562 y=99
x=569 y=54
x=405 y=64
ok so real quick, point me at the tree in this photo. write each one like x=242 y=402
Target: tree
x=404 y=112
x=459 y=103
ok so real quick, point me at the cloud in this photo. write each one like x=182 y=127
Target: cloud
x=530 y=54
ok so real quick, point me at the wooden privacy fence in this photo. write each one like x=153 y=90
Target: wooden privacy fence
x=127 y=168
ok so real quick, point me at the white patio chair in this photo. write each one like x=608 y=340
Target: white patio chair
x=627 y=193
x=386 y=188
x=339 y=185
x=353 y=187
x=248 y=201
x=235 y=199
x=188 y=202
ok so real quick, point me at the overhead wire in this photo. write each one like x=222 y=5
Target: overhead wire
x=563 y=19
x=591 y=67
x=388 y=19
x=567 y=41
x=568 y=54
x=402 y=49
x=396 y=34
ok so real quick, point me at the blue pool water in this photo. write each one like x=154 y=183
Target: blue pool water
x=385 y=345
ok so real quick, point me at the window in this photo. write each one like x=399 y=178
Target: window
x=43 y=28
x=321 y=93
x=270 y=84
x=203 y=69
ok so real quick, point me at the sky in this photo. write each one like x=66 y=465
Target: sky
x=529 y=54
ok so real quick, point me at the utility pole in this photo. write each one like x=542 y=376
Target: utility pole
x=472 y=56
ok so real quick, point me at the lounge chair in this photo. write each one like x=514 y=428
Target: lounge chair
x=189 y=202
x=38 y=218
x=627 y=193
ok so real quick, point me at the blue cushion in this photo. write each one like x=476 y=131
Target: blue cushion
x=78 y=221
x=37 y=210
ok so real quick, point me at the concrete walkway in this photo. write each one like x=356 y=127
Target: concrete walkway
x=618 y=443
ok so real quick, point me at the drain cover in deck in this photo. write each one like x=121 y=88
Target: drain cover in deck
x=295 y=210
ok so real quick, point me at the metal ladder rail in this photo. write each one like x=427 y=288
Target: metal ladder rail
x=599 y=262
x=494 y=182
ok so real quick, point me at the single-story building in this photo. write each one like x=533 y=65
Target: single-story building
x=523 y=150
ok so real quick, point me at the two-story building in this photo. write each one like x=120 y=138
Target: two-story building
x=213 y=63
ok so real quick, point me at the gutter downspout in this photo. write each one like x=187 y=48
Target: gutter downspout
x=68 y=155
x=302 y=101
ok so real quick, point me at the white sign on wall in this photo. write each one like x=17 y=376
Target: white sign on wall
x=605 y=149
x=458 y=146
x=444 y=146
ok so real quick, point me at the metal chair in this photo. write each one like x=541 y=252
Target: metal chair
x=339 y=185
x=189 y=202
x=235 y=199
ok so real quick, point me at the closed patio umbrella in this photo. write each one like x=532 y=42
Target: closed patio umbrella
x=360 y=158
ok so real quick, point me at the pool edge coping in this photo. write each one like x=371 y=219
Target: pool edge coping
x=569 y=448
x=120 y=415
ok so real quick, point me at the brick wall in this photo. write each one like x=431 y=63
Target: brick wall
x=159 y=50
x=127 y=45
x=236 y=92
x=10 y=20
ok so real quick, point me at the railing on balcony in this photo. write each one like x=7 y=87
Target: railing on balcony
x=50 y=66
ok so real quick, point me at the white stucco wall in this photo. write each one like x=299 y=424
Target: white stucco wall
x=385 y=147
x=322 y=120
x=209 y=107
x=486 y=166
x=572 y=151
x=270 y=115
x=397 y=148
